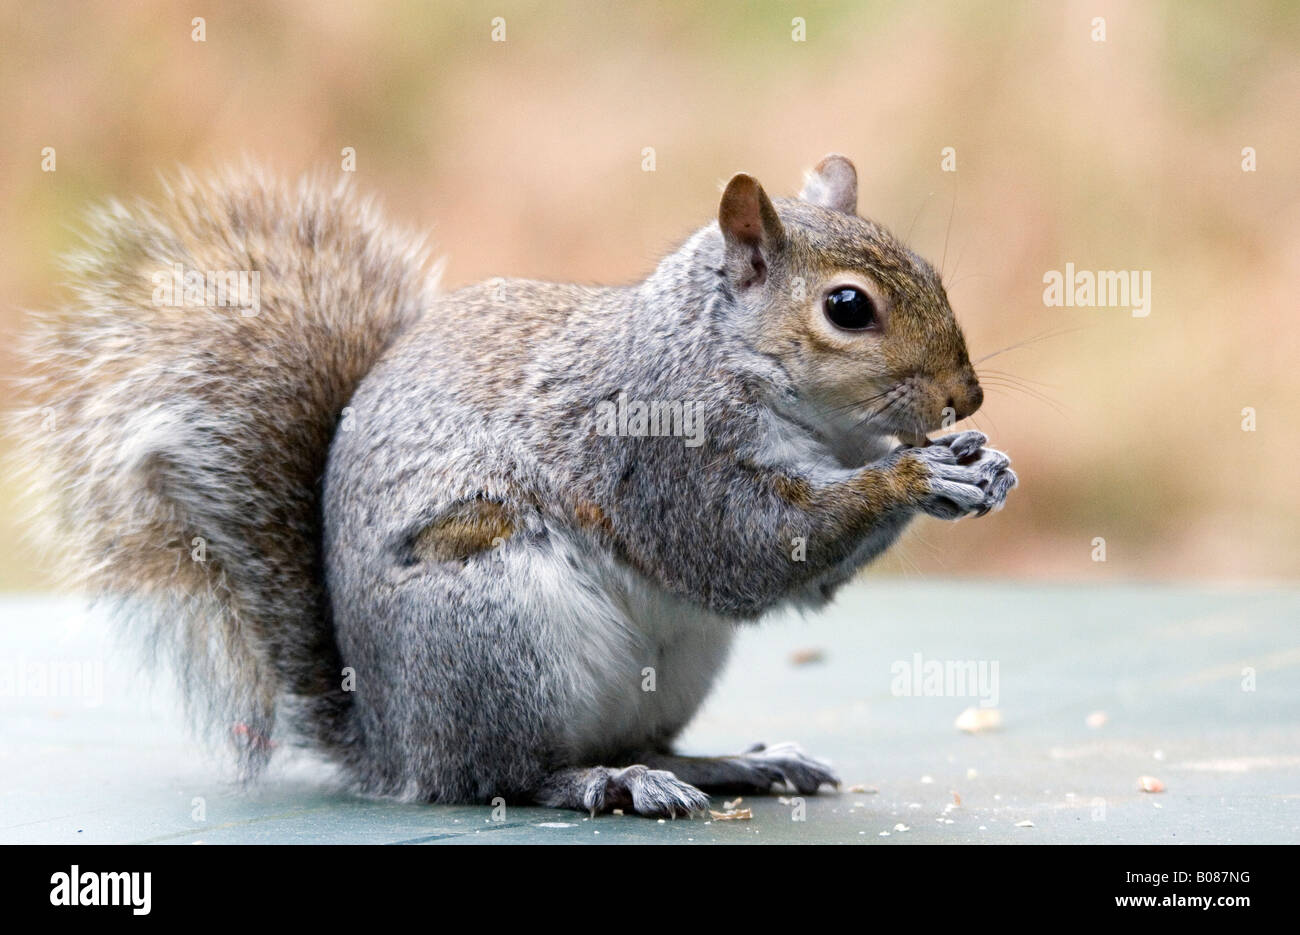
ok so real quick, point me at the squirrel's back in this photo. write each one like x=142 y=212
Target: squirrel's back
x=182 y=408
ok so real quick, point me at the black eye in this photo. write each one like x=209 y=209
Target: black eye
x=851 y=309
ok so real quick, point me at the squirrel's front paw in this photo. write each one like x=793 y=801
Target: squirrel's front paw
x=965 y=478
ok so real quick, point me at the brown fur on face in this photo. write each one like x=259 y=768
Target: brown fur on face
x=897 y=378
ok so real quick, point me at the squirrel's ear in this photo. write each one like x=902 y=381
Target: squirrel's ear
x=751 y=229
x=833 y=184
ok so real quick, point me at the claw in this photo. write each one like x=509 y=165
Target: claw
x=795 y=768
x=965 y=445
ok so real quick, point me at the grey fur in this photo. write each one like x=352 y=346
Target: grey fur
x=496 y=575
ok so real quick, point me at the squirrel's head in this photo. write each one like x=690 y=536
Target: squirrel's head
x=860 y=322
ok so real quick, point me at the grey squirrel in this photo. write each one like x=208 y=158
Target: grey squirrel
x=436 y=536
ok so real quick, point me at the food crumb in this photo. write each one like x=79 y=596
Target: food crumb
x=1024 y=824
x=976 y=720
x=807 y=656
x=1150 y=784
x=735 y=814
x=864 y=790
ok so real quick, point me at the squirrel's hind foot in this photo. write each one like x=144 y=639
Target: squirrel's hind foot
x=655 y=793
x=756 y=770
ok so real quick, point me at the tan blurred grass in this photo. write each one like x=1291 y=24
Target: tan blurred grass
x=524 y=158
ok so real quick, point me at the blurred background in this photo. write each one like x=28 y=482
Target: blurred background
x=525 y=158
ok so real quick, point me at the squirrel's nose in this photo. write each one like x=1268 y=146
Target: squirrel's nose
x=966 y=400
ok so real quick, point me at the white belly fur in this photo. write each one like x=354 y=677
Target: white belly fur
x=612 y=633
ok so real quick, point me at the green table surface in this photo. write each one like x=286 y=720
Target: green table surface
x=1199 y=687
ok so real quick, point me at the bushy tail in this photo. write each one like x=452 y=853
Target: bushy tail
x=181 y=414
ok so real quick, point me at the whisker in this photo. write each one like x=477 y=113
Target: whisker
x=1015 y=382
x=957 y=282
x=878 y=413
x=1041 y=337
x=916 y=217
x=858 y=403
x=1046 y=400
x=951 y=212
x=1015 y=376
x=975 y=423
x=956 y=266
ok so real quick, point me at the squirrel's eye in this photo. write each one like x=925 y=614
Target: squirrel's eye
x=851 y=309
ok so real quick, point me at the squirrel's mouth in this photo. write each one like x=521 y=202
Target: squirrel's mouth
x=918 y=404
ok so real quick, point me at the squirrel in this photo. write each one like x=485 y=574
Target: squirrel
x=463 y=544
